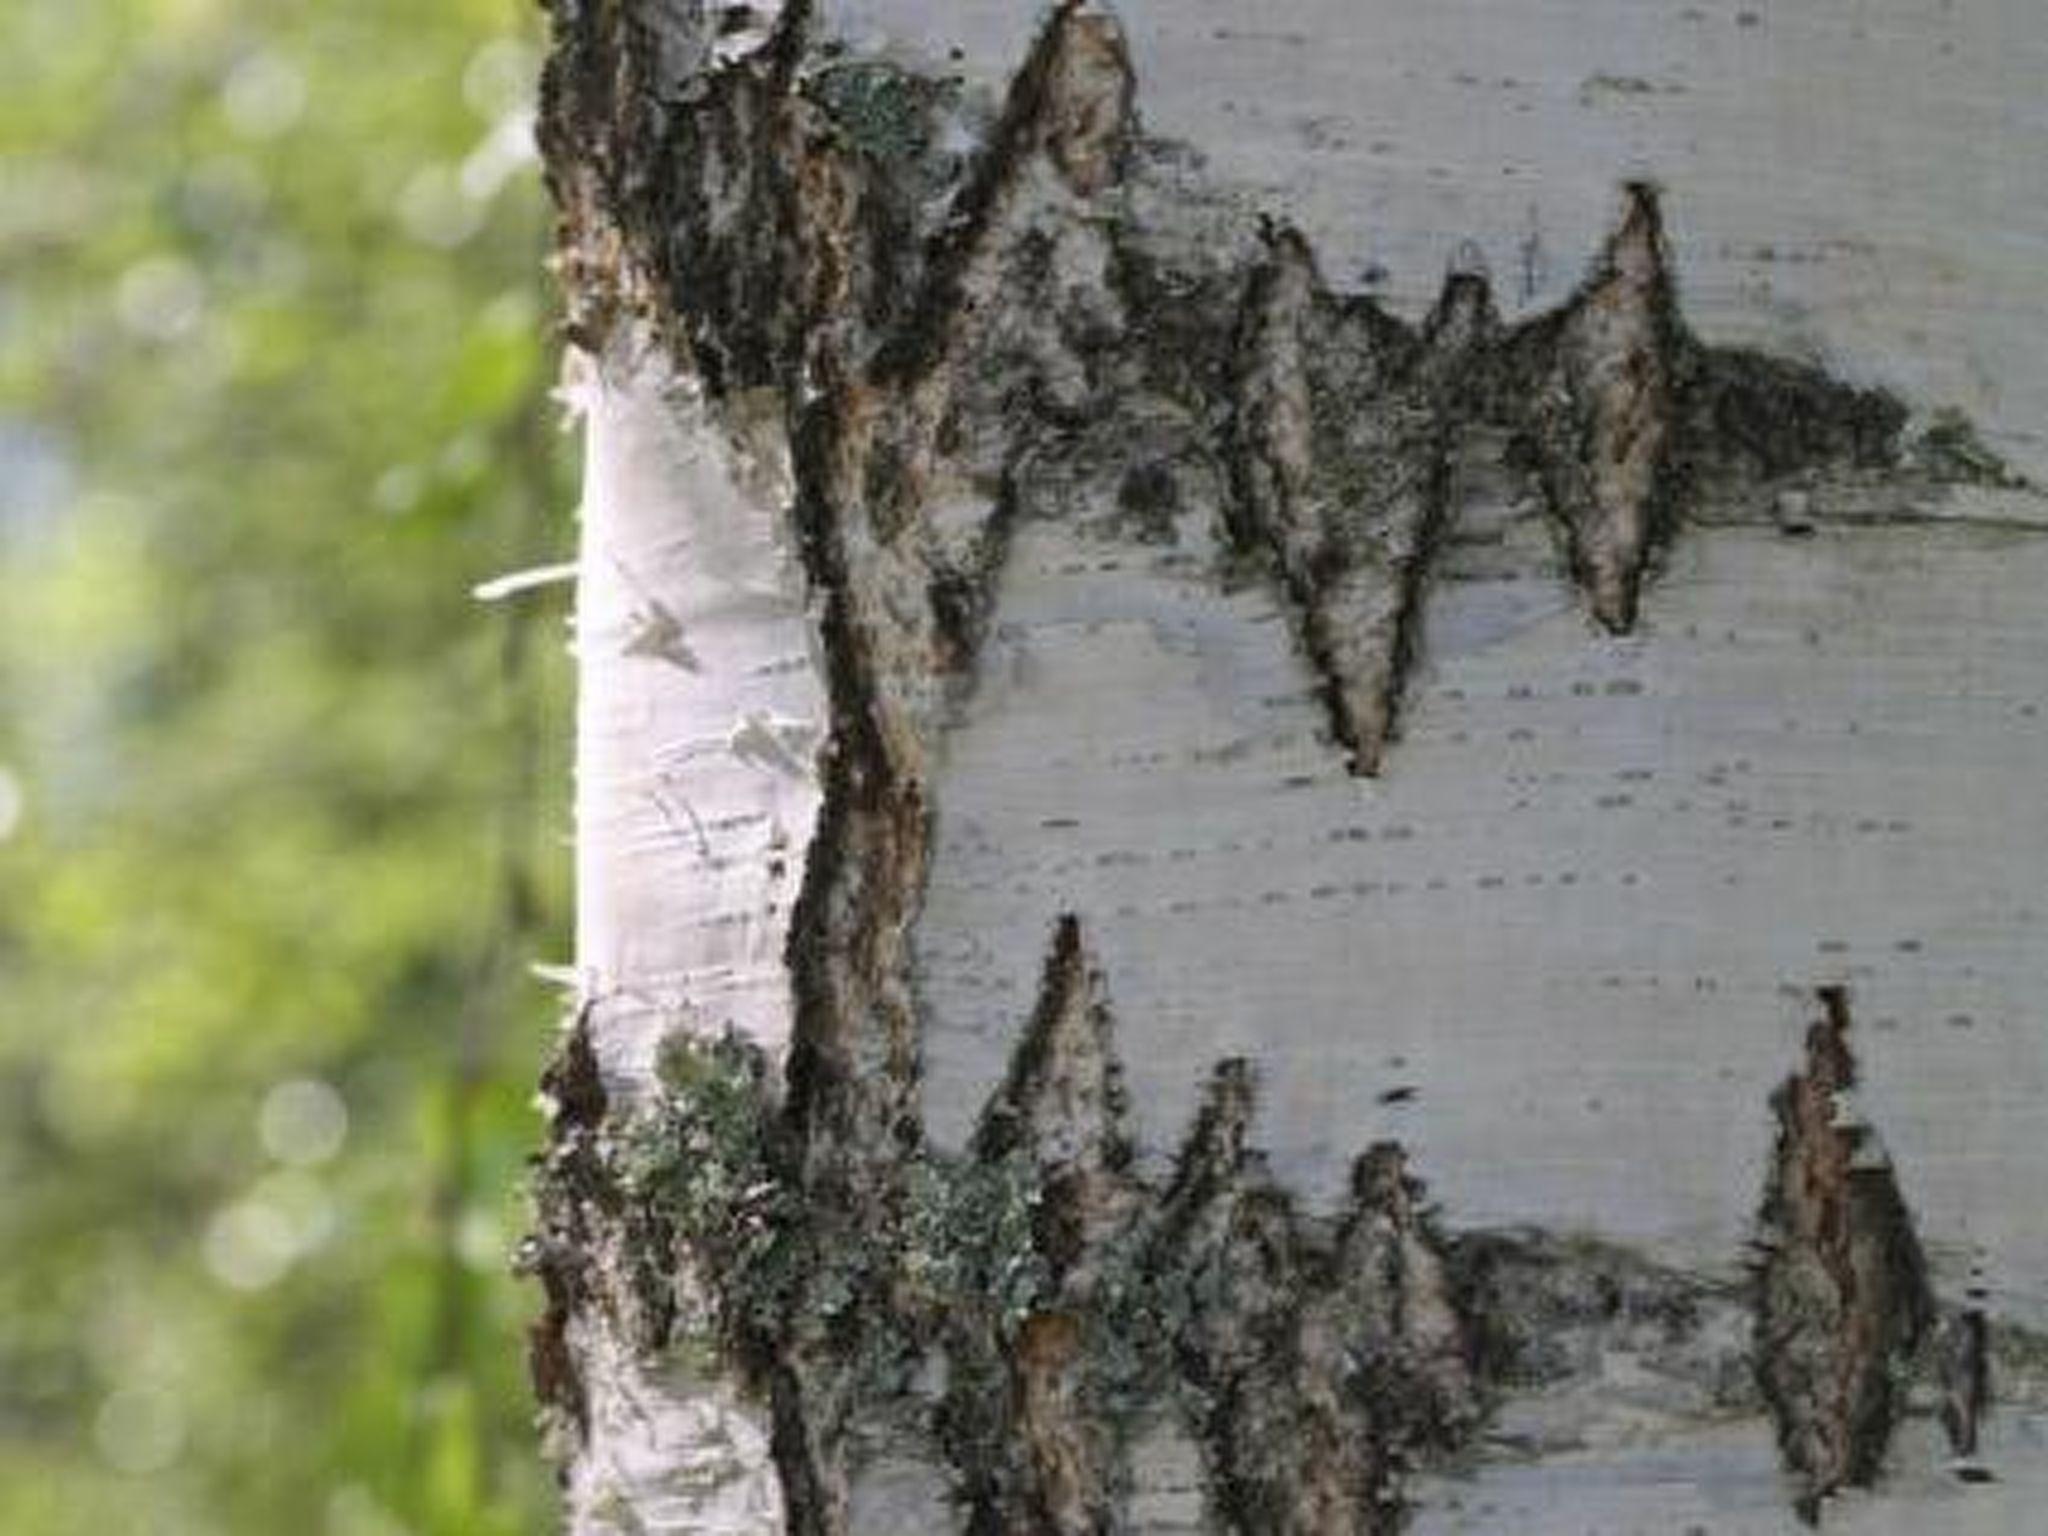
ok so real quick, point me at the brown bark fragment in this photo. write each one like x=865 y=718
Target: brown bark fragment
x=1602 y=416
x=1407 y=1339
x=1323 y=1366
x=1066 y=1496
x=1842 y=1297
x=1063 y=1108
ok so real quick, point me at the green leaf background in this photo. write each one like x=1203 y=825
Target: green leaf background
x=283 y=812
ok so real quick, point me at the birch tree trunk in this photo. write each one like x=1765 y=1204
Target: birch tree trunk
x=1309 y=783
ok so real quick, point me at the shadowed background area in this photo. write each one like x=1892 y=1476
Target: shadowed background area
x=282 y=818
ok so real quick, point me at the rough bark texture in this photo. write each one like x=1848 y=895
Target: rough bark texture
x=1842 y=1287
x=954 y=319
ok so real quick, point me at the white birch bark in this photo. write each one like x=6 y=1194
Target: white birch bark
x=696 y=793
x=1106 y=670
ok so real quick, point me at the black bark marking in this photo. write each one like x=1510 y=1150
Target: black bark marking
x=573 y=1195
x=864 y=449
x=772 y=222
x=1071 y=100
x=1406 y=1333
x=1317 y=1360
x=1351 y=562
x=1229 y=1239
x=1965 y=1370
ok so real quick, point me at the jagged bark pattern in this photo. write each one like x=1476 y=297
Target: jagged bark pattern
x=1842 y=1292
x=1081 y=330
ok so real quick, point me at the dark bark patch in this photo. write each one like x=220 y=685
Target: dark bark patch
x=1319 y=1364
x=1965 y=1373
x=1841 y=1296
x=1600 y=414
x=570 y=1189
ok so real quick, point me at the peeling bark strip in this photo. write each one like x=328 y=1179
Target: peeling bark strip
x=1842 y=1297
x=1060 y=322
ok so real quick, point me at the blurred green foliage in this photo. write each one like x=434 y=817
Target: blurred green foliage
x=281 y=816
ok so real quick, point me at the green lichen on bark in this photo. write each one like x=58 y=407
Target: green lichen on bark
x=887 y=112
x=1069 y=1300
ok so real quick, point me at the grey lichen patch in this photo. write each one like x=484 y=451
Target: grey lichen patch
x=877 y=437
x=1317 y=1360
x=665 y=1224
x=887 y=112
x=716 y=1247
x=689 y=1221
x=1842 y=1297
x=702 y=1164
x=1029 y=1307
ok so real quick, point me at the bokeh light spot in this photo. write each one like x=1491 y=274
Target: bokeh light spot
x=434 y=210
x=309 y=1214
x=249 y=1245
x=501 y=78
x=302 y=1122
x=139 y=1430
x=480 y=1239
x=506 y=150
x=264 y=95
x=161 y=297
x=12 y=804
